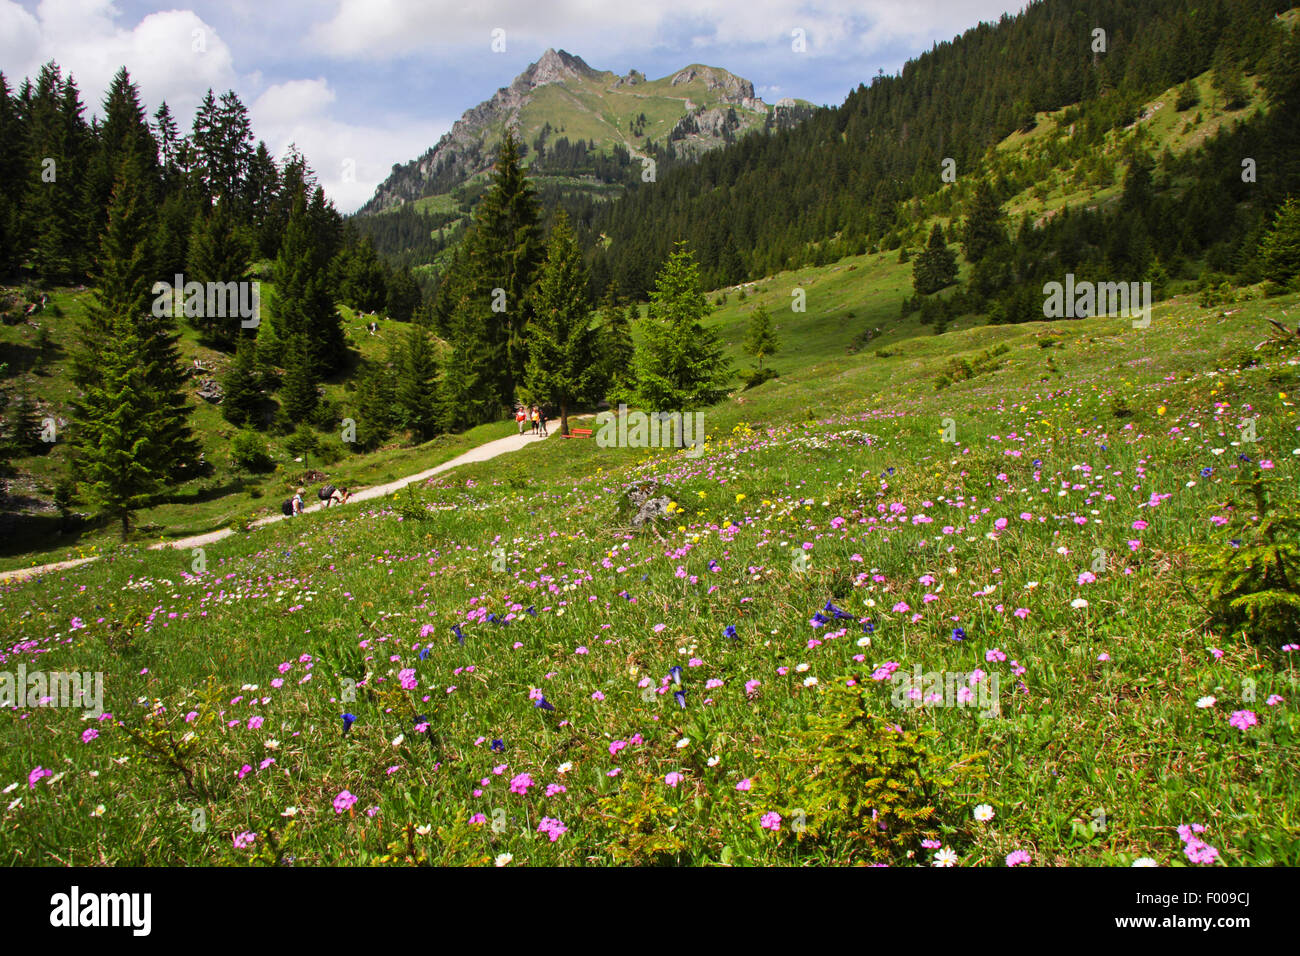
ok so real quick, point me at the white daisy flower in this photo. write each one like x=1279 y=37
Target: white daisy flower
x=984 y=813
x=945 y=857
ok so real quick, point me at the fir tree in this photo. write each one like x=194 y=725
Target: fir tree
x=561 y=339
x=680 y=364
x=984 y=230
x=935 y=267
x=509 y=247
x=130 y=424
x=1280 y=251
x=617 y=351
x=416 y=391
x=373 y=407
x=218 y=253
x=761 y=340
x=298 y=393
x=243 y=385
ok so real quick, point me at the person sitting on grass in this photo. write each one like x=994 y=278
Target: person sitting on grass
x=297 y=501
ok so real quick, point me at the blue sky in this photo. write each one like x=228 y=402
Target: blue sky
x=360 y=85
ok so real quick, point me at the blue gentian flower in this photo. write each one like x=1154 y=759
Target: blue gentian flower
x=676 y=674
x=348 y=721
x=1207 y=471
x=958 y=634
x=531 y=610
x=839 y=615
x=680 y=697
x=868 y=627
x=730 y=632
x=498 y=746
x=543 y=703
x=424 y=654
x=460 y=638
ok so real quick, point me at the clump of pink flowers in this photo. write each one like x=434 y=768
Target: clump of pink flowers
x=1196 y=849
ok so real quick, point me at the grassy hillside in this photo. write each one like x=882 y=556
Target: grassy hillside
x=230 y=496
x=1047 y=548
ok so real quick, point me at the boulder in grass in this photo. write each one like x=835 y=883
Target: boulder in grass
x=210 y=390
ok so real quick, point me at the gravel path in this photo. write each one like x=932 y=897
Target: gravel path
x=482 y=452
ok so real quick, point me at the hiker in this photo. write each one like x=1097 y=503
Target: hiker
x=520 y=417
x=293 y=506
x=340 y=497
x=536 y=419
x=541 y=421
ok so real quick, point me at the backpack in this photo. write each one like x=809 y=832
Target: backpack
x=287 y=507
x=326 y=493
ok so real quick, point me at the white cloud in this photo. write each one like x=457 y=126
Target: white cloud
x=172 y=55
x=350 y=159
x=362 y=28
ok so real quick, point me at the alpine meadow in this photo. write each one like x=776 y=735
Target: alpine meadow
x=651 y=469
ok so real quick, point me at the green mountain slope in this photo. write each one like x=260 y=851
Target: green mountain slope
x=561 y=97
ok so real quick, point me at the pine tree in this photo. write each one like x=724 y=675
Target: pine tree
x=680 y=364
x=116 y=442
x=761 y=341
x=1280 y=251
x=416 y=391
x=24 y=421
x=509 y=247
x=57 y=144
x=984 y=230
x=302 y=314
x=242 y=403
x=124 y=133
x=935 y=267
x=403 y=295
x=298 y=392
x=219 y=253
x=130 y=424
x=561 y=339
x=373 y=407
x=617 y=351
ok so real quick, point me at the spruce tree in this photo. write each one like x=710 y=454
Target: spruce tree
x=935 y=267
x=561 y=340
x=761 y=341
x=416 y=391
x=984 y=230
x=130 y=424
x=116 y=439
x=1280 y=251
x=508 y=245
x=617 y=351
x=680 y=364
x=373 y=407
x=298 y=392
x=218 y=252
x=243 y=385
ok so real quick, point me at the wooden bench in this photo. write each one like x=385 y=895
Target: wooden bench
x=578 y=433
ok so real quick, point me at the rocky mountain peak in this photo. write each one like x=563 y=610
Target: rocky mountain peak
x=555 y=66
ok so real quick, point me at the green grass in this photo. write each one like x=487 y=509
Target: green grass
x=1102 y=717
x=229 y=495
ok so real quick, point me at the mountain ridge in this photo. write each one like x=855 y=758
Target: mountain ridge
x=697 y=107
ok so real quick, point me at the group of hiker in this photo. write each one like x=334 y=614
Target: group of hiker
x=534 y=417
x=329 y=495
